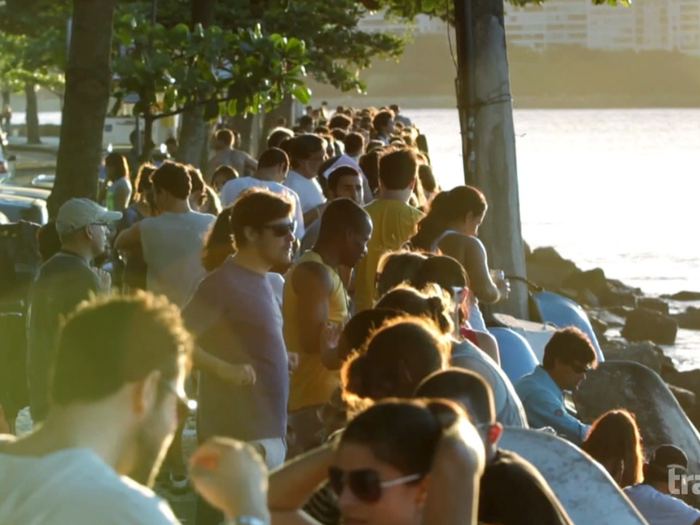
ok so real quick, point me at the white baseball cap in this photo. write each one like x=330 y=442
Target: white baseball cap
x=78 y=213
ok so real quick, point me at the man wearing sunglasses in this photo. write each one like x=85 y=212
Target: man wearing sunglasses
x=63 y=282
x=568 y=355
x=236 y=319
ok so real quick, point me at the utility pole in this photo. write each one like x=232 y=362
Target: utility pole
x=464 y=85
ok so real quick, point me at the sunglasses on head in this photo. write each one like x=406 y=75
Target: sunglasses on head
x=364 y=484
x=185 y=406
x=280 y=230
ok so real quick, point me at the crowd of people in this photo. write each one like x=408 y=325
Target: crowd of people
x=322 y=305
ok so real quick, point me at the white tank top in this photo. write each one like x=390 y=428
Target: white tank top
x=172 y=246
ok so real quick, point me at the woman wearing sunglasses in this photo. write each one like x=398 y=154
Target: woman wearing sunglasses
x=385 y=465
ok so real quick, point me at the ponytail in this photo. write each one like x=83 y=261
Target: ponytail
x=218 y=243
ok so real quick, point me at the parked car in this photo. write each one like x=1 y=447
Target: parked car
x=17 y=208
x=24 y=191
x=43 y=181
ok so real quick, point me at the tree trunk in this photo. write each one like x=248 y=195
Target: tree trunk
x=88 y=79
x=5 y=96
x=32 y=115
x=193 y=128
x=286 y=110
x=496 y=171
x=193 y=137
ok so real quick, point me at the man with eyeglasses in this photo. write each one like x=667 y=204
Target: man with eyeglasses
x=568 y=355
x=236 y=319
x=116 y=393
x=62 y=283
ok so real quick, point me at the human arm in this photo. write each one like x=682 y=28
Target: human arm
x=291 y=486
x=453 y=488
x=122 y=193
x=544 y=408
x=129 y=240
x=312 y=285
x=232 y=477
x=470 y=252
x=251 y=165
x=238 y=375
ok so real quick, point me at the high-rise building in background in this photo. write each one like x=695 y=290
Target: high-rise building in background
x=671 y=25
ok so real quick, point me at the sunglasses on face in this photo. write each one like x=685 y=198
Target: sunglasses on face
x=281 y=230
x=364 y=484
x=579 y=368
x=185 y=406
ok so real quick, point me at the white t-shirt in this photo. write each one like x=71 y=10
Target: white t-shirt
x=659 y=508
x=74 y=486
x=309 y=190
x=233 y=188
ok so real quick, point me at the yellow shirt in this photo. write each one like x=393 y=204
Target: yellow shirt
x=311 y=383
x=394 y=222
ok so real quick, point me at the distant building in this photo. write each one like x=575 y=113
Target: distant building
x=422 y=24
x=671 y=25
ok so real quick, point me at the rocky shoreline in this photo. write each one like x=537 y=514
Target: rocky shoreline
x=629 y=325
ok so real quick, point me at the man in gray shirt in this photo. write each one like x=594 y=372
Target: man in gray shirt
x=237 y=323
x=64 y=281
x=172 y=241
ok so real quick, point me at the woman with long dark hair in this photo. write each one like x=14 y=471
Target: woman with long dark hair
x=451 y=227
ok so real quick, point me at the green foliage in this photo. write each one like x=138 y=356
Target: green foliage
x=337 y=50
x=173 y=67
x=33 y=40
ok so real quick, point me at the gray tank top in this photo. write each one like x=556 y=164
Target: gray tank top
x=172 y=245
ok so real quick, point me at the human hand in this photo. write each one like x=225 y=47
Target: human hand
x=230 y=476
x=292 y=361
x=105 y=279
x=330 y=335
x=239 y=375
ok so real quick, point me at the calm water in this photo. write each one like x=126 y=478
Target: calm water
x=616 y=189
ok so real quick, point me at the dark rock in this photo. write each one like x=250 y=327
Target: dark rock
x=547 y=268
x=686 y=399
x=648 y=325
x=690 y=319
x=588 y=298
x=608 y=317
x=690 y=380
x=652 y=303
x=620 y=287
x=643 y=352
x=599 y=326
x=683 y=296
x=593 y=280
x=621 y=311
x=614 y=298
